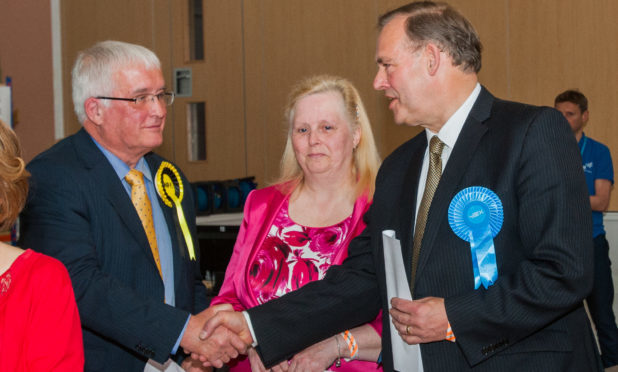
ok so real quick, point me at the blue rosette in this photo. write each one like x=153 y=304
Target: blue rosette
x=476 y=215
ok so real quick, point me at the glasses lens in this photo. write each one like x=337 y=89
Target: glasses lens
x=168 y=98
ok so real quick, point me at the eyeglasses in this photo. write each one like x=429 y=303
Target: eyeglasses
x=141 y=101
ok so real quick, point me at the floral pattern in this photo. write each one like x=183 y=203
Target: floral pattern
x=5 y=283
x=293 y=255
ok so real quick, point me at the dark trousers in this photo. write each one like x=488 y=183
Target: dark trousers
x=600 y=302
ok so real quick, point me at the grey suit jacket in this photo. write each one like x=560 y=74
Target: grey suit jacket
x=532 y=318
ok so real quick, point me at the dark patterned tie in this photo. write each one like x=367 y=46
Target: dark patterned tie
x=433 y=178
x=140 y=200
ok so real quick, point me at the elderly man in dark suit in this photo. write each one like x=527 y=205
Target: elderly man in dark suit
x=120 y=217
x=490 y=206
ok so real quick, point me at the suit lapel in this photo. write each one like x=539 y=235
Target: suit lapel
x=106 y=179
x=459 y=160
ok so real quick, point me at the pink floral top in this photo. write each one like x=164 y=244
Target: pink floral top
x=293 y=255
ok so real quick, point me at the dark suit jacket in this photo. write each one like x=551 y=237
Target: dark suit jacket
x=532 y=318
x=79 y=212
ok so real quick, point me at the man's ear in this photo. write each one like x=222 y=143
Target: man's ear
x=94 y=110
x=433 y=54
x=585 y=116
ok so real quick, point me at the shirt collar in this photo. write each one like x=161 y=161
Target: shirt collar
x=451 y=129
x=120 y=167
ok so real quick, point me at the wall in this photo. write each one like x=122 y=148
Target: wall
x=532 y=50
x=26 y=56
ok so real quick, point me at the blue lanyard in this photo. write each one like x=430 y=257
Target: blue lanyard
x=581 y=150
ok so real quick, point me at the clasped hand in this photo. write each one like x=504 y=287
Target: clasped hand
x=216 y=335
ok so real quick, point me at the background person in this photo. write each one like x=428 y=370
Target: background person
x=39 y=322
x=295 y=230
x=135 y=281
x=530 y=315
x=599 y=172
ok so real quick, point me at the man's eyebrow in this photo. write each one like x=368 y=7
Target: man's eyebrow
x=383 y=60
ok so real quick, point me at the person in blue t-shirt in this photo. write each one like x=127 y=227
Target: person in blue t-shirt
x=599 y=173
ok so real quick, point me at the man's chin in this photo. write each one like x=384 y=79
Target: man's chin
x=400 y=120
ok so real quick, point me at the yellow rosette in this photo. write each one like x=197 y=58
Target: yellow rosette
x=171 y=190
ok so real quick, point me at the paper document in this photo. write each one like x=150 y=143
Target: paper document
x=406 y=358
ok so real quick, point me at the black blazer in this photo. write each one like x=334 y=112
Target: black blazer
x=79 y=212
x=532 y=318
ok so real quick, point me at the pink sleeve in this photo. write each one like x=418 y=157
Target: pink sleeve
x=229 y=293
x=55 y=341
x=377 y=324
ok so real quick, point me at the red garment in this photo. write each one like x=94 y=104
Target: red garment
x=39 y=322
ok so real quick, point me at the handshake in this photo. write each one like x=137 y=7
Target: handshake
x=215 y=336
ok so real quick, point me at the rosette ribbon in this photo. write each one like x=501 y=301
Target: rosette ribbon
x=476 y=215
x=171 y=190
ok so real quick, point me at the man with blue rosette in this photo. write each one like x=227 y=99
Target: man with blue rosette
x=490 y=206
x=599 y=171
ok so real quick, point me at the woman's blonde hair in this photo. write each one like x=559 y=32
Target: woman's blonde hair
x=366 y=157
x=13 y=178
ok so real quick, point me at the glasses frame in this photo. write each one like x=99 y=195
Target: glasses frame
x=134 y=100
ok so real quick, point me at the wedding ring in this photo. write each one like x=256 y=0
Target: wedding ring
x=407 y=330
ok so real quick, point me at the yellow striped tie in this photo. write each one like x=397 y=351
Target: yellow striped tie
x=140 y=200
x=433 y=178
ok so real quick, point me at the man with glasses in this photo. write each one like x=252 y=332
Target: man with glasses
x=96 y=206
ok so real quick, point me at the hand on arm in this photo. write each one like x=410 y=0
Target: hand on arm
x=420 y=321
x=322 y=355
x=318 y=357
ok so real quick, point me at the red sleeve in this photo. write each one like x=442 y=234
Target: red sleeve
x=55 y=336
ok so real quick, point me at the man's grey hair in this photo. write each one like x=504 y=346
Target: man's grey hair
x=94 y=69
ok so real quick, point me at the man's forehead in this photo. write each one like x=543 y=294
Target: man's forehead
x=138 y=78
x=391 y=38
x=568 y=106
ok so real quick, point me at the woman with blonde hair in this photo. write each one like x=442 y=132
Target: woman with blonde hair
x=39 y=322
x=293 y=231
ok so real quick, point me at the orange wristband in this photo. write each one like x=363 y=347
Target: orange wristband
x=450 y=336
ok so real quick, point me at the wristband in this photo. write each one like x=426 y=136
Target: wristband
x=450 y=336
x=352 y=346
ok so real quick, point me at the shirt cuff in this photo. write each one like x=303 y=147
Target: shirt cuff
x=175 y=349
x=246 y=315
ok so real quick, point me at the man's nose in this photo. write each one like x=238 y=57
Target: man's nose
x=380 y=82
x=157 y=106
